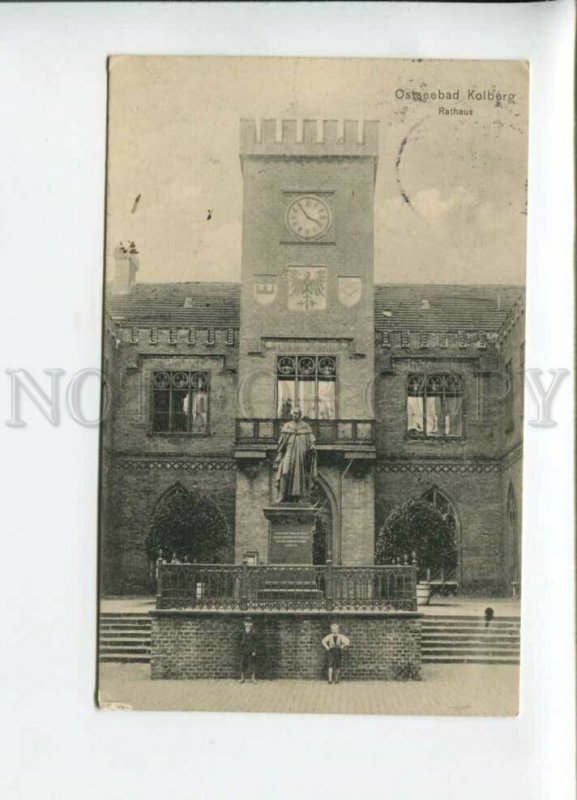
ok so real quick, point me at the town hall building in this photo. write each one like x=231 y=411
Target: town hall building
x=412 y=391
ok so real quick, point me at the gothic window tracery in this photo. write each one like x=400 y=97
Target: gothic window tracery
x=180 y=402
x=435 y=405
x=306 y=382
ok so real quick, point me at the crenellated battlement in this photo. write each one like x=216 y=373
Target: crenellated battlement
x=312 y=138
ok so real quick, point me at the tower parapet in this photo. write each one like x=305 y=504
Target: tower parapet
x=318 y=138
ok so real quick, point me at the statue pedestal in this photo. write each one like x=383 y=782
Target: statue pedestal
x=292 y=528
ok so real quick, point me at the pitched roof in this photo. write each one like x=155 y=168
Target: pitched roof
x=417 y=307
x=442 y=307
x=187 y=304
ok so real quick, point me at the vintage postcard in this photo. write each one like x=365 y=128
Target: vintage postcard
x=311 y=470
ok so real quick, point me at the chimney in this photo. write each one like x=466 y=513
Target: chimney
x=127 y=263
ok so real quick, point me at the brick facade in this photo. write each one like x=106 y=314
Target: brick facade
x=393 y=331
x=187 y=644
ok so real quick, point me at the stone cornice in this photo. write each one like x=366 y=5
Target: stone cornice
x=165 y=334
x=414 y=465
x=172 y=464
x=439 y=466
x=407 y=339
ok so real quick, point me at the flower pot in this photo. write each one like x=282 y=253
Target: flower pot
x=423 y=593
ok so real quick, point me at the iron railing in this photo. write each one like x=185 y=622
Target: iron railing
x=326 y=431
x=287 y=587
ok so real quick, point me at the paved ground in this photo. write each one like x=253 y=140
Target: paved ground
x=458 y=606
x=446 y=690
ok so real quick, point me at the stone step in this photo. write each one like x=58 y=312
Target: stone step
x=129 y=626
x=453 y=629
x=474 y=631
x=121 y=644
x=125 y=633
x=469 y=660
x=466 y=647
x=476 y=617
x=107 y=615
x=471 y=623
x=464 y=651
x=124 y=658
x=470 y=637
x=111 y=648
x=428 y=620
x=432 y=618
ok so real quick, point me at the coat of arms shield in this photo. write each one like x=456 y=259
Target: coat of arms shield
x=350 y=290
x=265 y=289
x=307 y=288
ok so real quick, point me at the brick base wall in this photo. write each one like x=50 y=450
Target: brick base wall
x=196 y=644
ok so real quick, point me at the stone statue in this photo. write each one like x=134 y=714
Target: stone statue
x=296 y=460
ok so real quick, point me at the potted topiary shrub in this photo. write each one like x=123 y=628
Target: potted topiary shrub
x=417 y=527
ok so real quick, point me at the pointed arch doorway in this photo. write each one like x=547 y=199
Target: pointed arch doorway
x=445 y=507
x=187 y=526
x=323 y=537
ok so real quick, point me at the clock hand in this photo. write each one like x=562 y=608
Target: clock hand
x=312 y=219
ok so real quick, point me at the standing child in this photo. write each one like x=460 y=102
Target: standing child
x=247 y=647
x=334 y=643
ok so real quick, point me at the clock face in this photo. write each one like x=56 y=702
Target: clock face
x=308 y=217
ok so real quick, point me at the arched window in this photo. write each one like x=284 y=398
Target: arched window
x=441 y=502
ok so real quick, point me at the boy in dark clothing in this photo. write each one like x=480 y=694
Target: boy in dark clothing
x=248 y=649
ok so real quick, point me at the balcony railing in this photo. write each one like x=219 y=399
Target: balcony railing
x=326 y=431
x=287 y=587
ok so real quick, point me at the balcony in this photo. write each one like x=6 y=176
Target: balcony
x=348 y=435
x=274 y=587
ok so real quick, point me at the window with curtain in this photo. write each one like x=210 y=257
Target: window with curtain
x=180 y=402
x=308 y=383
x=435 y=405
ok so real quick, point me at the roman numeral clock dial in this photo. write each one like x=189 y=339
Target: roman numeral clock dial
x=308 y=217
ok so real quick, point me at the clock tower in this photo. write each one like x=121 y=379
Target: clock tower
x=307 y=327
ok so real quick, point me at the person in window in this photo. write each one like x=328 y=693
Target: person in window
x=287 y=408
x=334 y=643
x=248 y=652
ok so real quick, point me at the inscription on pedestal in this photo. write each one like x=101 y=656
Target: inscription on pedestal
x=291 y=533
x=291 y=547
x=291 y=543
